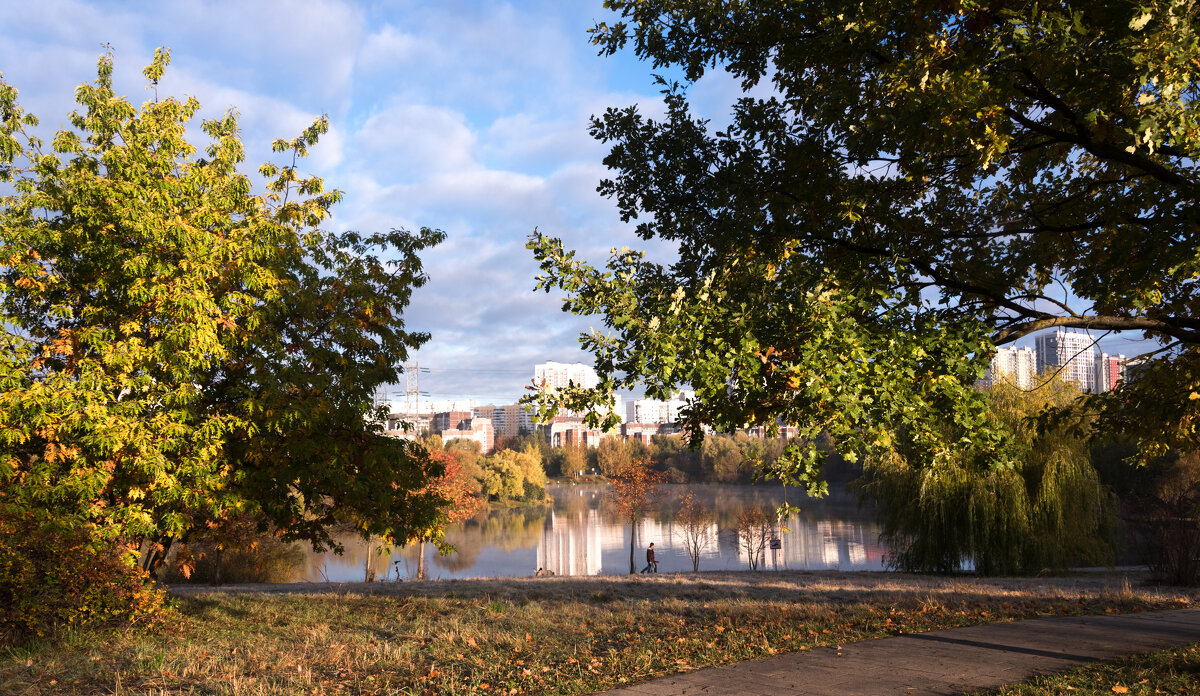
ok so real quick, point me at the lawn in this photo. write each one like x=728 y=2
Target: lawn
x=1168 y=672
x=531 y=636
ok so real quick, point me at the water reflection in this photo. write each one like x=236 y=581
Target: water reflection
x=580 y=535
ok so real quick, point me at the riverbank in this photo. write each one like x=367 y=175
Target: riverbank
x=534 y=635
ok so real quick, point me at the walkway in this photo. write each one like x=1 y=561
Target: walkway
x=940 y=662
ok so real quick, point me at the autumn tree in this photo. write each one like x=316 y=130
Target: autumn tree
x=694 y=528
x=899 y=189
x=179 y=349
x=615 y=453
x=634 y=493
x=754 y=530
x=455 y=486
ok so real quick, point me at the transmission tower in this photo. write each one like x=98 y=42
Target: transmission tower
x=413 y=389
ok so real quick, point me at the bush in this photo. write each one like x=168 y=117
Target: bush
x=55 y=576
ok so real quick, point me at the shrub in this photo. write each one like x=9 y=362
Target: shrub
x=1166 y=521
x=55 y=575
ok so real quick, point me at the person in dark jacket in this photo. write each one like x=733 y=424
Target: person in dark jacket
x=651 y=564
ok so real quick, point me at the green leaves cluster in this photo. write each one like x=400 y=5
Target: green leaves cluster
x=178 y=348
x=918 y=184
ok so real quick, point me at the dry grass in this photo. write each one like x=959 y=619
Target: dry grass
x=525 y=635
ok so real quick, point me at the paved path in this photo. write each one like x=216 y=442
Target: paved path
x=940 y=662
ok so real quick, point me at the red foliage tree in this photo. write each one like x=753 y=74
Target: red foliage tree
x=634 y=492
x=462 y=503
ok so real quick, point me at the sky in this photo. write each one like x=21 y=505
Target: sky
x=469 y=116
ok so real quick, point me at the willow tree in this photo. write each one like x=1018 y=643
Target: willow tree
x=901 y=188
x=1046 y=511
x=179 y=349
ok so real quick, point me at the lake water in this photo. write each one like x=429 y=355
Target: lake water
x=580 y=535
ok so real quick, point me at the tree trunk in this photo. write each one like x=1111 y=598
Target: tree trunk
x=421 y=560
x=632 y=543
x=217 y=566
x=367 y=576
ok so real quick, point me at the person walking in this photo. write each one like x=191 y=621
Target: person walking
x=651 y=564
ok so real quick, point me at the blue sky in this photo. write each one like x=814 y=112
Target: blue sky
x=468 y=116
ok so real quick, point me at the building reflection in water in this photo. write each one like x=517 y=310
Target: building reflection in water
x=581 y=536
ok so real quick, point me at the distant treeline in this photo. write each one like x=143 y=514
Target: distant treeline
x=721 y=458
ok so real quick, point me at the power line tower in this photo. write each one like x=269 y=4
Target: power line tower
x=412 y=385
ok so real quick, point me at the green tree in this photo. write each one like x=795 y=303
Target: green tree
x=1047 y=511
x=180 y=350
x=723 y=459
x=916 y=184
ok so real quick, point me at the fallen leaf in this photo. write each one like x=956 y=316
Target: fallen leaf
x=1118 y=689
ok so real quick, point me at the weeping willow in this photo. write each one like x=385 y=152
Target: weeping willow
x=1045 y=513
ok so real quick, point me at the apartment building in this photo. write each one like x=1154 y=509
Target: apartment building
x=1069 y=354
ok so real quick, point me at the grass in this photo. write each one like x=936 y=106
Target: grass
x=529 y=636
x=1168 y=672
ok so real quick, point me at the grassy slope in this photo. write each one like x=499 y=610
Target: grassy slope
x=524 y=635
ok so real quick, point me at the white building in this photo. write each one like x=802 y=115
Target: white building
x=657 y=411
x=549 y=376
x=1070 y=354
x=1016 y=365
x=556 y=375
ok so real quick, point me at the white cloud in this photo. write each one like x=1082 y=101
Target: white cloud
x=466 y=115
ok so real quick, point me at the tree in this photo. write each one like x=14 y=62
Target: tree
x=694 y=527
x=754 y=530
x=614 y=454
x=455 y=486
x=179 y=349
x=574 y=460
x=1046 y=511
x=916 y=185
x=634 y=492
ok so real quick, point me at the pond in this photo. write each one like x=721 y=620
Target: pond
x=580 y=535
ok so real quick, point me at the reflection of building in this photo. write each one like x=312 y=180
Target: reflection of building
x=575 y=544
x=571 y=546
x=829 y=544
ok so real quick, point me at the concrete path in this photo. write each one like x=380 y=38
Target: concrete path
x=940 y=662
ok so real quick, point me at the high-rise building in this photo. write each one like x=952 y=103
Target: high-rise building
x=656 y=410
x=509 y=420
x=1110 y=369
x=549 y=376
x=556 y=375
x=1070 y=354
x=1017 y=365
